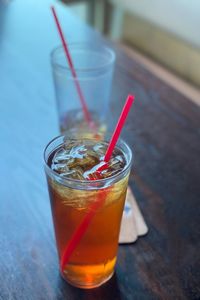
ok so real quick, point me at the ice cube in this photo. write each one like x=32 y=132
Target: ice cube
x=70 y=143
x=71 y=163
x=86 y=162
x=61 y=156
x=116 y=163
x=93 y=154
x=93 y=173
x=83 y=158
x=100 y=149
x=120 y=158
x=109 y=172
x=60 y=168
x=78 y=151
x=74 y=174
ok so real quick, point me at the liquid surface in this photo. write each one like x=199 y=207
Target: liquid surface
x=82 y=159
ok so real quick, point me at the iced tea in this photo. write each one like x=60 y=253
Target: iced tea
x=68 y=167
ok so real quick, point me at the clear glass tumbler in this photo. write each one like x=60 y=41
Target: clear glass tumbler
x=93 y=66
x=92 y=260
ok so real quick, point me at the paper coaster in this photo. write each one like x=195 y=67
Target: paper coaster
x=133 y=224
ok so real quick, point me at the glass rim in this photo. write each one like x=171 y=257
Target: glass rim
x=88 y=182
x=61 y=67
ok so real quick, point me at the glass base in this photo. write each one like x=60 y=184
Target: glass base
x=88 y=276
x=74 y=123
x=86 y=285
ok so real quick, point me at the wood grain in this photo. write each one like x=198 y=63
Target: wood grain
x=163 y=130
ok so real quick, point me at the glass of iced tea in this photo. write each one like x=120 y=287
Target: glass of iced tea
x=71 y=167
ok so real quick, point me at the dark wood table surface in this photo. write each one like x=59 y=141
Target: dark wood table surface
x=163 y=128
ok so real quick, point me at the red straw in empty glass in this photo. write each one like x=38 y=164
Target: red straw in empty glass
x=82 y=227
x=76 y=82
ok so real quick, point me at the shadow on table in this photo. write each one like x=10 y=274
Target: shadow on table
x=109 y=290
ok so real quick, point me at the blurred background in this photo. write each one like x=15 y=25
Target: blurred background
x=164 y=31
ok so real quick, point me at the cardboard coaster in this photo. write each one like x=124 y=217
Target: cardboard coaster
x=133 y=224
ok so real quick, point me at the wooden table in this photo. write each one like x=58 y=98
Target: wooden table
x=163 y=129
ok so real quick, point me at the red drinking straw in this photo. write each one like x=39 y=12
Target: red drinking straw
x=68 y=56
x=119 y=127
x=82 y=227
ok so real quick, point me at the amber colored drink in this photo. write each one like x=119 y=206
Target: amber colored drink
x=93 y=259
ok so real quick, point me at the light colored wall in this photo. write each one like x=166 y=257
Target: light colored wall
x=179 y=17
x=79 y=9
x=166 y=30
x=166 y=48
